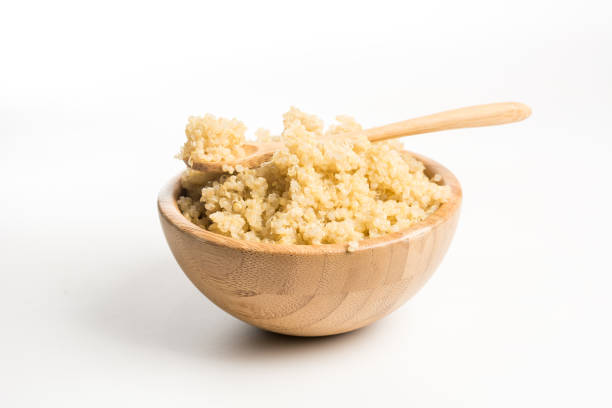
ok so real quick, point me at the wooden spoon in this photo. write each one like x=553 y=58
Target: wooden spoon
x=472 y=116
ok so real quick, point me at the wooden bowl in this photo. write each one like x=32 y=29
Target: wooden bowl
x=311 y=290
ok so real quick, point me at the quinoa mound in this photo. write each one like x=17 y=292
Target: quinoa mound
x=320 y=188
x=212 y=139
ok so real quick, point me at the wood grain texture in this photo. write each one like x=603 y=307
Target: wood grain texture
x=311 y=290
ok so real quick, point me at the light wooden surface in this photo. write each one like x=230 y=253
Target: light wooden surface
x=472 y=116
x=310 y=290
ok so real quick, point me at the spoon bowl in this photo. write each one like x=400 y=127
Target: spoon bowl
x=311 y=290
x=254 y=155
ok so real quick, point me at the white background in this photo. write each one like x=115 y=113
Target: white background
x=94 y=97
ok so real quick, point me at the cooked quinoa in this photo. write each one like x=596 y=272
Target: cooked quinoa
x=320 y=188
x=212 y=139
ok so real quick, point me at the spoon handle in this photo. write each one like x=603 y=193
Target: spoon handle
x=472 y=116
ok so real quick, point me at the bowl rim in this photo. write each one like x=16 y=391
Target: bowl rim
x=168 y=209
